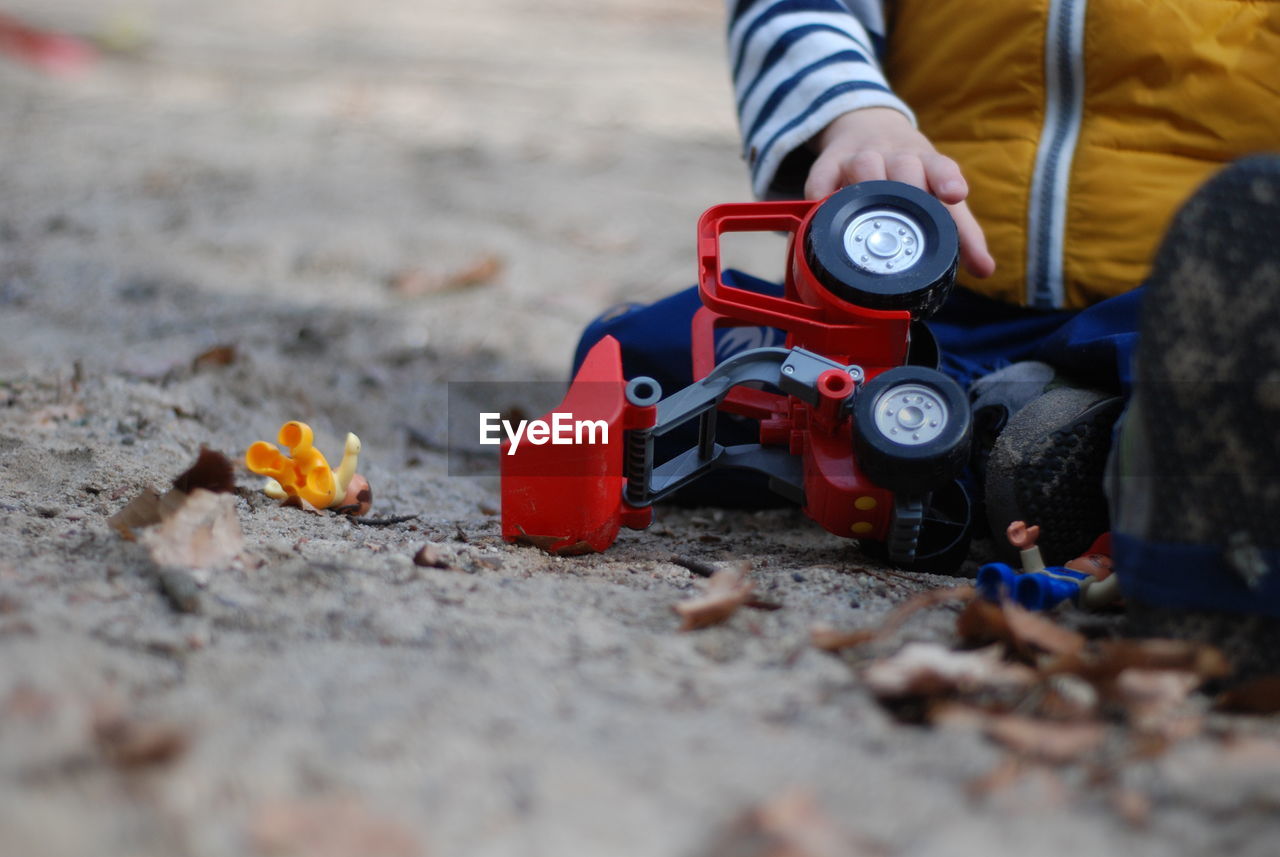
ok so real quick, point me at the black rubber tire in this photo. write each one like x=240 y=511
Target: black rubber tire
x=922 y=288
x=911 y=468
x=945 y=533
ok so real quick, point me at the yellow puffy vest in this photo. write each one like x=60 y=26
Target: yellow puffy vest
x=1081 y=125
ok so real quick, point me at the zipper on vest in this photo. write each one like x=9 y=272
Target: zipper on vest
x=1064 y=105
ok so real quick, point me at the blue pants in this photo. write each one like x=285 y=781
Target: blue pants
x=977 y=336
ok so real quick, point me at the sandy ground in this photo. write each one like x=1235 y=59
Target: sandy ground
x=254 y=174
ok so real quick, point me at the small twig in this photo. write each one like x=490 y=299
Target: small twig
x=381 y=522
x=698 y=567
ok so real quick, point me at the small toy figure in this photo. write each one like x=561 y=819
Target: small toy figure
x=1086 y=580
x=305 y=474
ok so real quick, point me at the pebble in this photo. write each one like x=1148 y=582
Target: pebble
x=181 y=589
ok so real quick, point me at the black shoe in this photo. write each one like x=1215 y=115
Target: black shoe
x=994 y=399
x=1047 y=468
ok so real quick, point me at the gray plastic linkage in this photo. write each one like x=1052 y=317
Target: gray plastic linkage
x=794 y=371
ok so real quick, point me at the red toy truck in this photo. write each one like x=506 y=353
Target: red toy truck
x=851 y=428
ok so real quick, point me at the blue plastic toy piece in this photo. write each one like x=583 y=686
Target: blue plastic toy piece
x=1040 y=590
x=997 y=581
x=1045 y=590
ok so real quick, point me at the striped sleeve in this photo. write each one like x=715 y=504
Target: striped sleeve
x=798 y=64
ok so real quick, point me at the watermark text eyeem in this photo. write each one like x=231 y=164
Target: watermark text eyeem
x=561 y=430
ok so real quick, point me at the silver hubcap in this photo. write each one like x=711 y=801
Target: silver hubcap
x=884 y=241
x=911 y=414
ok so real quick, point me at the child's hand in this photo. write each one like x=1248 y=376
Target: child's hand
x=880 y=143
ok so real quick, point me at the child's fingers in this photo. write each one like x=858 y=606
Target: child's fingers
x=824 y=178
x=832 y=171
x=906 y=168
x=945 y=179
x=866 y=166
x=973 y=244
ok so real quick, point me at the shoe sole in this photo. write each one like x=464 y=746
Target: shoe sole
x=1054 y=478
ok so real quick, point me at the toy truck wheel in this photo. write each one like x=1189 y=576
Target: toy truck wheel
x=911 y=429
x=941 y=541
x=884 y=245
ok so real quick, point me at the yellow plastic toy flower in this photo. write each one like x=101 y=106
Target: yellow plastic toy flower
x=304 y=472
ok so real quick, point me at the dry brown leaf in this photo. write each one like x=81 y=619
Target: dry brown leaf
x=219 y=355
x=328 y=827
x=790 y=825
x=480 y=272
x=128 y=742
x=1058 y=743
x=1105 y=660
x=1259 y=696
x=830 y=640
x=212 y=472
x=432 y=556
x=1154 y=696
x=958 y=716
x=417 y=282
x=1188 y=655
x=1159 y=707
x=928 y=669
x=726 y=591
x=142 y=511
x=198 y=530
x=1040 y=631
x=1067 y=697
x=1009 y=623
x=555 y=545
x=982 y=622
